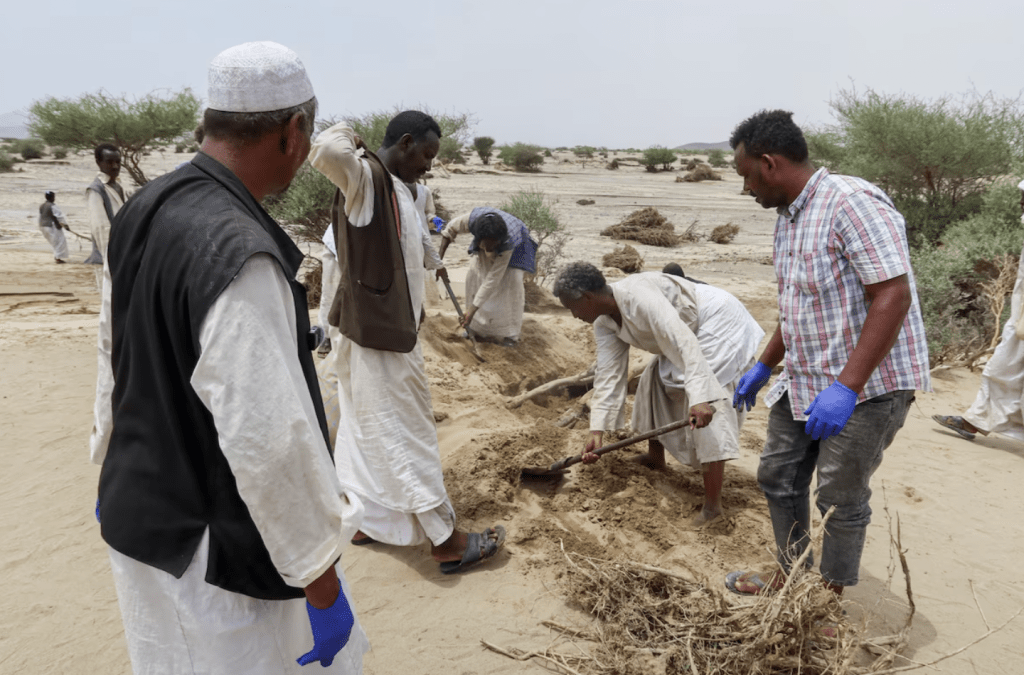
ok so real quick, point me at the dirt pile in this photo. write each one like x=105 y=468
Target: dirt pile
x=646 y=226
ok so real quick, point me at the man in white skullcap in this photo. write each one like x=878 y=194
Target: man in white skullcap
x=218 y=497
x=999 y=405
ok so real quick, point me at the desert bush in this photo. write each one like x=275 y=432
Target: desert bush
x=483 y=146
x=657 y=155
x=535 y=210
x=179 y=148
x=627 y=259
x=6 y=162
x=60 y=153
x=951 y=278
x=547 y=153
x=716 y=158
x=934 y=158
x=306 y=204
x=614 y=164
x=456 y=128
x=584 y=151
x=701 y=172
x=724 y=234
x=521 y=156
x=646 y=226
x=29 y=148
x=133 y=125
x=584 y=202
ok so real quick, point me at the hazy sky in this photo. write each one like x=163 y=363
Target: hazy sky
x=553 y=72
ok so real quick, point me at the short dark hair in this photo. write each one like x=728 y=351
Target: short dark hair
x=199 y=133
x=413 y=122
x=770 y=132
x=488 y=226
x=249 y=127
x=49 y=195
x=577 y=278
x=675 y=269
x=103 y=147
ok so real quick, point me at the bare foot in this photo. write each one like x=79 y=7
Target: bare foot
x=705 y=516
x=656 y=463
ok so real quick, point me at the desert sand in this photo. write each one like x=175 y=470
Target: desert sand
x=958 y=503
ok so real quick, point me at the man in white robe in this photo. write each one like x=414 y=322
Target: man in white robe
x=999 y=405
x=266 y=424
x=52 y=224
x=386 y=448
x=702 y=338
x=502 y=252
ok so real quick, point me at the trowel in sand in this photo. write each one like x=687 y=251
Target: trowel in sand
x=556 y=471
x=458 y=310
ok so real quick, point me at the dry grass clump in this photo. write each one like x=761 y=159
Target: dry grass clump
x=646 y=226
x=313 y=280
x=723 y=234
x=612 y=165
x=692 y=164
x=584 y=202
x=627 y=259
x=701 y=172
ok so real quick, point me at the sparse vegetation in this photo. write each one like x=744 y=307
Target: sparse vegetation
x=724 y=234
x=646 y=226
x=701 y=172
x=133 y=125
x=656 y=156
x=29 y=148
x=521 y=156
x=612 y=165
x=60 y=153
x=483 y=146
x=6 y=162
x=627 y=259
x=716 y=158
x=584 y=151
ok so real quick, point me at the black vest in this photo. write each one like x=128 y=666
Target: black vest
x=173 y=249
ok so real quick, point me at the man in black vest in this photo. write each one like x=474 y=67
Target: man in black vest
x=217 y=494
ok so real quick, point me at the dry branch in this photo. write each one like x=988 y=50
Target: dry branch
x=580 y=379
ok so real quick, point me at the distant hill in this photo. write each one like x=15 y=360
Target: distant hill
x=724 y=145
x=14 y=125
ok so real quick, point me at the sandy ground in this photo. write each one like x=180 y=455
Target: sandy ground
x=957 y=502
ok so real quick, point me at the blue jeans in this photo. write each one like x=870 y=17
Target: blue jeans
x=845 y=464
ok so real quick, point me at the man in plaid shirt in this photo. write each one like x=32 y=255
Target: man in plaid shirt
x=852 y=339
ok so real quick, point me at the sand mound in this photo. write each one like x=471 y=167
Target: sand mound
x=539 y=300
x=646 y=226
x=627 y=259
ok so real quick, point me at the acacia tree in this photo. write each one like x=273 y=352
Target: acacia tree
x=655 y=155
x=935 y=158
x=133 y=125
x=483 y=145
x=456 y=128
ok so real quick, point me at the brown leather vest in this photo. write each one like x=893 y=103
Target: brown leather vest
x=372 y=306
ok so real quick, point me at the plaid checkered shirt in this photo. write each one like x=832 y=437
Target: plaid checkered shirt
x=841 y=234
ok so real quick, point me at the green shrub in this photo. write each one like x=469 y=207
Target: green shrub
x=536 y=211
x=29 y=148
x=716 y=158
x=179 y=148
x=306 y=204
x=6 y=161
x=484 y=146
x=957 y=314
x=450 y=151
x=584 y=151
x=655 y=155
x=547 y=153
x=522 y=156
x=60 y=153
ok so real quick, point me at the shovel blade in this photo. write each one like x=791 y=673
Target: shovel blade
x=542 y=474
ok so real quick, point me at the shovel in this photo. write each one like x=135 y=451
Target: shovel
x=557 y=470
x=458 y=310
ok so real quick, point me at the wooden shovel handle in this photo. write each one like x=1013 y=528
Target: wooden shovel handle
x=576 y=459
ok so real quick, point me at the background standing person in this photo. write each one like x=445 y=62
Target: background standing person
x=52 y=223
x=218 y=498
x=999 y=405
x=503 y=253
x=105 y=196
x=387 y=449
x=851 y=334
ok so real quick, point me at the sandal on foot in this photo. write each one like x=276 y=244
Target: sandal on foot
x=365 y=541
x=954 y=423
x=751 y=583
x=480 y=547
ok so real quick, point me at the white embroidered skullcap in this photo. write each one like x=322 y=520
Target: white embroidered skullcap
x=257 y=77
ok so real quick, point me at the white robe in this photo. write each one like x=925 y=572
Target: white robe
x=660 y=313
x=494 y=288
x=267 y=428
x=55 y=235
x=1000 y=401
x=386 y=450
x=99 y=224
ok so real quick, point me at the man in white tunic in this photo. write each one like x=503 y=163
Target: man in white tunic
x=703 y=340
x=387 y=449
x=999 y=405
x=52 y=224
x=217 y=496
x=503 y=253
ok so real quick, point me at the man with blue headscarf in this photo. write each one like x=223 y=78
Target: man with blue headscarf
x=503 y=252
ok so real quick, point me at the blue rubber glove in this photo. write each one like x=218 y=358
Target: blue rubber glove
x=438 y=224
x=331 y=630
x=97 y=510
x=750 y=384
x=830 y=411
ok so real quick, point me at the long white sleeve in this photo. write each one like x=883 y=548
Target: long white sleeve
x=431 y=259
x=99 y=224
x=456 y=226
x=249 y=377
x=607 y=405
x=103 y=415
x=334 y=154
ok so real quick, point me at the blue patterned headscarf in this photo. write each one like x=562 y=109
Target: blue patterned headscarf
x=519 y=241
